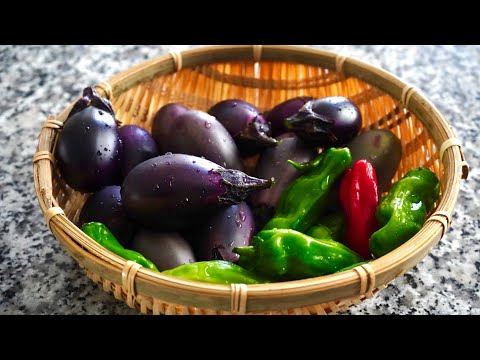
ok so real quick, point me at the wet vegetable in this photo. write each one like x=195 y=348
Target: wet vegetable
x=106 y=206
x=273 y=163
x=200 y=134
x=306 y=198
x=326 y=122
x=244 y=122
x=215 y=272
x=175 y=190
x=285 y=254
x=88 y=149
x=163 y=120
x=359 y=201
x=383 y=150
x=100 y=233
x=279 y=113
x=166 y=250
x=402 y=213
x=228 y=227
x=138 y=146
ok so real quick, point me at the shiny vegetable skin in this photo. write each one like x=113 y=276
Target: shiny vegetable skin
x=228 y=227
x=331 y=121
x=359 y=200
x=383 y=150
x=88 y=150
x=100 y=233
x=306 y=198
x=163 y=120
x=244 y=122
x=198 y=133
x=138 y=146
x=172 y=191
x=273 y=163
x=402 y=213
x=166 y=250
x=215 y=272
x=106 y=206
x=279 y=113
x=285 y=254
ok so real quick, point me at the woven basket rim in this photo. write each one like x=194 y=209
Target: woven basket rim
x=263 y=296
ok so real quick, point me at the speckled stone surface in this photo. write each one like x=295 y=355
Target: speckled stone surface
x=38 y=277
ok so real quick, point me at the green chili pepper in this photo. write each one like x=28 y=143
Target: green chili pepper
x=331 y=226
x=215 y=272
x=402 y=213
x=285 y=254
x=100 y=233
x=306 y=199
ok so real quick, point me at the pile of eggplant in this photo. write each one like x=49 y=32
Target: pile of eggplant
x=182 y=193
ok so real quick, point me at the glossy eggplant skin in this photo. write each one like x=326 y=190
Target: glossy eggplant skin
x=106 y=206
x=172 y=191
x=89 y=150
x=166 y=250
x=383 y=150
x=273 y=163
x=138 y=146
x=245 y=124
x=229 y=227
x=327 y=122
x=198 y=133
x=280 y=112
x=163 y=120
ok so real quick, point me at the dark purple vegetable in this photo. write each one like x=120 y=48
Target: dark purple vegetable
x=106 y=206
x=279 y=113
x=138 y=146
x=166 y=250
x=327 y=122
x=200 y=134
x=383 y=150
x=173 y=191
x=273 y=163
x=244 y=122
x=229 y=227
x=88 y=149
x=163 y=120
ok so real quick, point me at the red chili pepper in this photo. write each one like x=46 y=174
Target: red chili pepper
x=359 y=200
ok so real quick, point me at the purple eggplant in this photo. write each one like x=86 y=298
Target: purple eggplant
x=383 y=150
x=162 y=121
x=198 y=133
x=326 y=122
x=244 y=122
x=172 y=191
x=279 y=113
x=166 y=250
x=273 y=163
x=229 y=227
x=106 y=206
x=138 y=146
x=89 y=150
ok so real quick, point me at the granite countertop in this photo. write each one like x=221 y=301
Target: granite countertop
x=38 y=277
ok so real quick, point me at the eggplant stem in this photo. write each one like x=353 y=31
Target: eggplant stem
x=256 y=133
x=239 y=185
x=91 y=98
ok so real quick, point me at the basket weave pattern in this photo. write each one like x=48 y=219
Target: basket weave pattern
x=263 y=76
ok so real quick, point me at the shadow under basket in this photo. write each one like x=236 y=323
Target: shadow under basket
x=263 y=76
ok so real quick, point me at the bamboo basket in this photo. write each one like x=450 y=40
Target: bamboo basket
x=263 y=76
